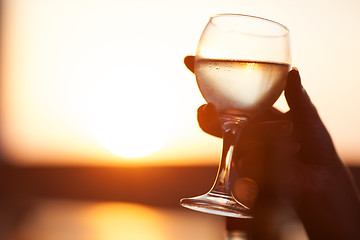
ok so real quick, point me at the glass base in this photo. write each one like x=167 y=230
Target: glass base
x=217 y=204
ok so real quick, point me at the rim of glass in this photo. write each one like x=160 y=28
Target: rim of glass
x=286 y=30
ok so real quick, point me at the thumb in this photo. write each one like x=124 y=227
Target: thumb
x=298 y=100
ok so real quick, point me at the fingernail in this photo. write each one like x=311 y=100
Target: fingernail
x=210 y=108
x=295 y=73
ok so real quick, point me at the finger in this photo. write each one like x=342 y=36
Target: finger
x=272 y=114
x=208 y=120
x=298 y=100
x=280 y=128
x=190 y=62
x=271 y=130
x=268 y=125
x=245 y=190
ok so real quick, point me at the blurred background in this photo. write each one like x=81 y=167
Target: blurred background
x=99 y=138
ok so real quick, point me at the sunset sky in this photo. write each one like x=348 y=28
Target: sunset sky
x=96 y=82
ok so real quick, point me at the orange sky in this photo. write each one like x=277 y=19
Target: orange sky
x=66 y=62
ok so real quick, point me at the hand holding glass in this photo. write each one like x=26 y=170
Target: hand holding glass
x=241 y=66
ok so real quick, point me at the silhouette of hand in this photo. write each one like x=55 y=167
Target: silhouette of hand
x=292 y=155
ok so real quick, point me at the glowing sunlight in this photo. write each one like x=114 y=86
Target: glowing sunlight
x=103 y=82
x=115 y=220
x=131 y=110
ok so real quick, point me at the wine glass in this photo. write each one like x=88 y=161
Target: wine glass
x=241 y=65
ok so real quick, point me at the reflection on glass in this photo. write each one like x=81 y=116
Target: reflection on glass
x=241 y=66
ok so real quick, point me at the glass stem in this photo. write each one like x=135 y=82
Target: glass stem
x=231 y=131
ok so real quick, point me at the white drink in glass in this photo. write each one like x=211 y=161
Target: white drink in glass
x=240 y=87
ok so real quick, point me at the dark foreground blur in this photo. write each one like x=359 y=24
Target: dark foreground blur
x=96 y=203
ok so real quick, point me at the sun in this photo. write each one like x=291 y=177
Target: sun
x=131 y=110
